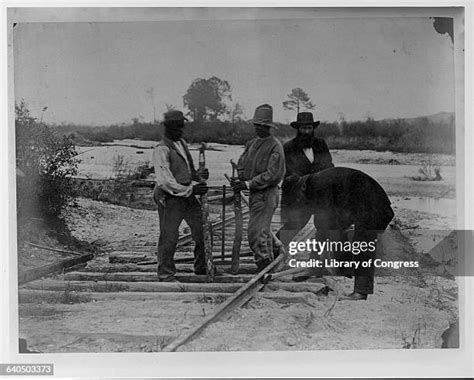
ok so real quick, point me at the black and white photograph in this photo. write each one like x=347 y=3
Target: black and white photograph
x=245 y=180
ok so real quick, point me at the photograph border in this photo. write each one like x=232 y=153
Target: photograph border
x=374 y=363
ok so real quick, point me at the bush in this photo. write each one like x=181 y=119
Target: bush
x=45 y=163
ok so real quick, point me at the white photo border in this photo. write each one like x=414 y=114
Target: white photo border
x=350 y=363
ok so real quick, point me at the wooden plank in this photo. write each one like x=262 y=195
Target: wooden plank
x=223 y=225
x=45 y=270
x=243 y=295
x=206 y=224
x=188 y=259
x=53 y=249
x=127 y=267
x=239 y=227
x=152 y=277
x=52 y=296
x=246 y=268
x=121 y=286
x=185 y=267
x=127 y=257
x=297 y=287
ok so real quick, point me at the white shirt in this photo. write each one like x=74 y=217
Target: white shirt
x=309 y=154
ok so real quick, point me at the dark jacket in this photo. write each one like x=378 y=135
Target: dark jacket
x=298 y=165
x=348 y=196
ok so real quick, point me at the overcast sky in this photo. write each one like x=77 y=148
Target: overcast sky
x=99 y=73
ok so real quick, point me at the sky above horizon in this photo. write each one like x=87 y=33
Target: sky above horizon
x=99 y=73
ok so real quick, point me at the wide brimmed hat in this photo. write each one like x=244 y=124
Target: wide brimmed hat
x=263 y=116
x=304 y=118
x=173 y=115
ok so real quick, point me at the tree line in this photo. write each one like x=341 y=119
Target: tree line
x=398 y=135
x=214 y=118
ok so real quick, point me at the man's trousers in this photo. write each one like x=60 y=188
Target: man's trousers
x=171 y=214
x=262 y=207
x=294 y=217
x=328 y=226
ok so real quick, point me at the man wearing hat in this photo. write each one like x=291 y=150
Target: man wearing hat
x=305 y=154
x=261 y=168
x=175 y=195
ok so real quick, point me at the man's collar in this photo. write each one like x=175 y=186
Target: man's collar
x=169 y=141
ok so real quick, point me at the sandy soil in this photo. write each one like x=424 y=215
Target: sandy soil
x=405 y=312
x=399 y=315
x=108 y=326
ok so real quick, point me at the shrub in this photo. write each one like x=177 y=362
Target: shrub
x=119 y=189
x=45 y=163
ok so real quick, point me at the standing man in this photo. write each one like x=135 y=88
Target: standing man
x=175 y=196
x=261 y=168
x=304 y=155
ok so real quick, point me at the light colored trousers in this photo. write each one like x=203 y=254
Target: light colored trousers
x=263 y=204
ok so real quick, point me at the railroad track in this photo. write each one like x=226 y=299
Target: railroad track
x=131 y=275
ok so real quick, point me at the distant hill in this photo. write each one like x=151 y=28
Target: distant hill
x=446 y=118
x=440 y=118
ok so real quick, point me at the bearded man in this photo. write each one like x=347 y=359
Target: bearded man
x=304 y=155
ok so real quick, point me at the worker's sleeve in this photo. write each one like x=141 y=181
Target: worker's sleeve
x=164 y=178
x=274 y=173
x=291 y=165
x=242 y=161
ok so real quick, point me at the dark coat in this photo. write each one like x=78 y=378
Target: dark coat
x=297 y=162
x=344 y=196
x=298 y=165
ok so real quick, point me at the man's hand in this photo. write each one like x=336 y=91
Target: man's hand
x=203 y=173
x=289 y=182
x=200 y=188
x=293 y=178
x=237 y=185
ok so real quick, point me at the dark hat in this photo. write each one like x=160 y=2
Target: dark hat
x=174 y=115
x=263 y=116
x=304 y=118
